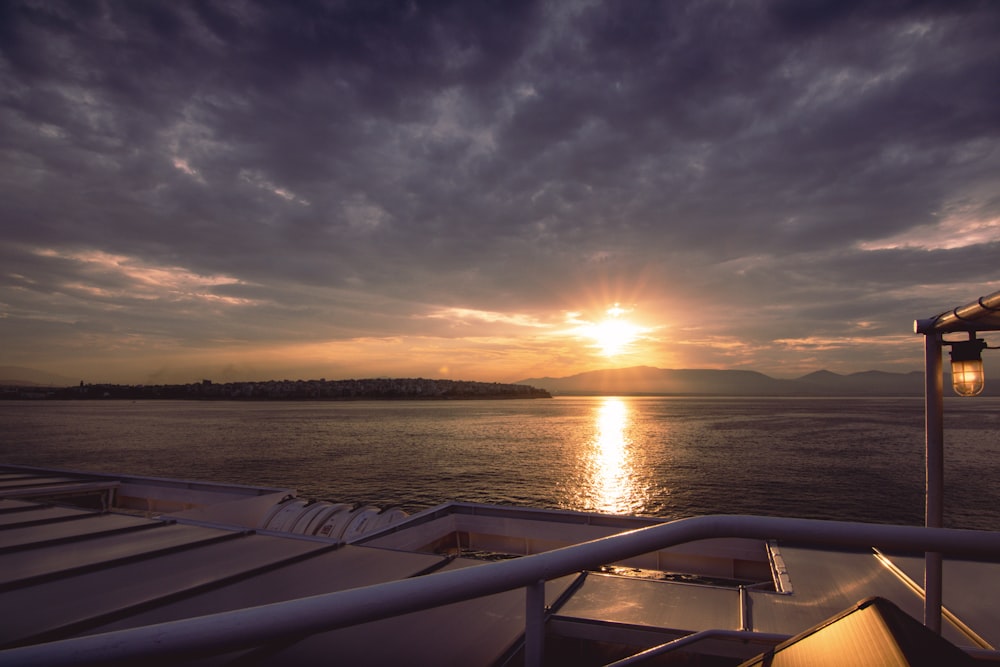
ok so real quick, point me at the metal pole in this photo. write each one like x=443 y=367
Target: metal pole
x=934 y=481
x=534 y=624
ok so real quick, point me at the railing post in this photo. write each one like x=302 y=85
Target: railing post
x=534 y=624
x=934 y=481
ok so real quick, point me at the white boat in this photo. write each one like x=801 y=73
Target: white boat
x=105 y=568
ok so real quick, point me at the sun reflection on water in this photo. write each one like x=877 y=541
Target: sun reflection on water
x=613 y=487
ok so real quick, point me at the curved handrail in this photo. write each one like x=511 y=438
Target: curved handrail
x=243 y=628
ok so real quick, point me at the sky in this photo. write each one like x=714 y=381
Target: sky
x=490 y=191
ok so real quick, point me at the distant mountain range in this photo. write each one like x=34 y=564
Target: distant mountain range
x=647 y=380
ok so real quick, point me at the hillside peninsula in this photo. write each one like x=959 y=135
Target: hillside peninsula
x=290 y=390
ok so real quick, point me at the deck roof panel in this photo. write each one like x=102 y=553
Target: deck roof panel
x=473 y=632
x=488 y=625
x=17 y=482
x=826 y=582
x=346 y=567
x=38 y=514
x=11 y=505
x=660 y=604
x=54 y=608
x=100 y=551
x=86 y=525
x=973 y=588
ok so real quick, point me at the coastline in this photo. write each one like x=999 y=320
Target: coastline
x=287 y=390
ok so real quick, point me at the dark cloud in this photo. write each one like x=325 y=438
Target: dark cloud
x=360 y=165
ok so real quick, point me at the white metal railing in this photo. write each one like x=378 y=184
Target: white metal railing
x=254 y=626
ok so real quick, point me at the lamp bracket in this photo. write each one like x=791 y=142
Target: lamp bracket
x=968 y=350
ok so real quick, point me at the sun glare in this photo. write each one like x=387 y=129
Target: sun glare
x=613 y=334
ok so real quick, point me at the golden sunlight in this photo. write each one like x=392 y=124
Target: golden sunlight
x=614 y=489
x=613 y=334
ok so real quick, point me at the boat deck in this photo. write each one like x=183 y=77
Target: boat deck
x=73 y=571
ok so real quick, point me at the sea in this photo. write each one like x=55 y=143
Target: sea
x=851 y=459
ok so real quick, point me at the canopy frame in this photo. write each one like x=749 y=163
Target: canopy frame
x=980 y=315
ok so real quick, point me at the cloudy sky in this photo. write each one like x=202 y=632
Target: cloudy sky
x=477 y=190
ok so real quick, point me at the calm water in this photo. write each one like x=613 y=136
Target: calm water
x=849 y=459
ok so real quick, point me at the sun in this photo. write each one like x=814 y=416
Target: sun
x=613 y=334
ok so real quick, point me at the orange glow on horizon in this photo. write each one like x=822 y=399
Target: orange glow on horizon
x=428 y=340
